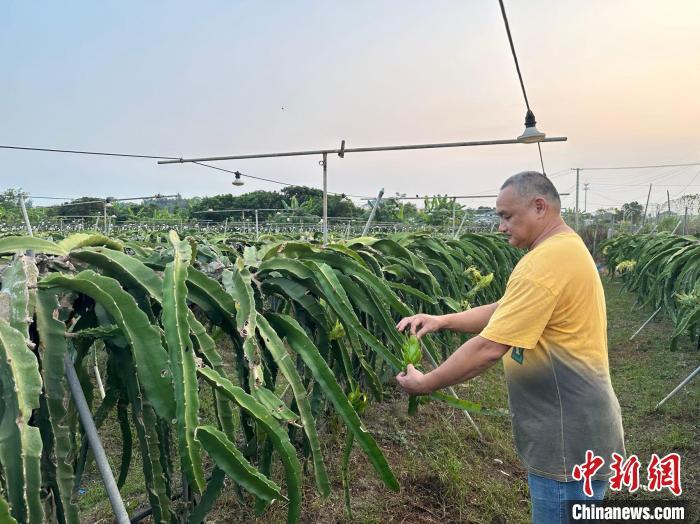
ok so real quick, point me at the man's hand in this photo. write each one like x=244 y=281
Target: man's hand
x=420 y=324
x=412 y=381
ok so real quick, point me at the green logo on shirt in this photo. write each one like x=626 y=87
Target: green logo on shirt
x=517 y=354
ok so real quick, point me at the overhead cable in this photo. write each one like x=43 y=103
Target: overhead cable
x=640 y=167
x=517 y=68
x=78 y=152
x=269 y=179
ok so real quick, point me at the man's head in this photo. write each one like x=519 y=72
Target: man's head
x=527 y=204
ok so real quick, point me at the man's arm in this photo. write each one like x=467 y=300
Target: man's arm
x=471 y=359
x=471 y=321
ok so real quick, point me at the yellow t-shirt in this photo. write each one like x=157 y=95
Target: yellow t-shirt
x=561 y=399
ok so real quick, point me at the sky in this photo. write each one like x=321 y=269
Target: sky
x=620 y=79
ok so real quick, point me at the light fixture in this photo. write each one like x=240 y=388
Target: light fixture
x=531 y=135
x=237 y=181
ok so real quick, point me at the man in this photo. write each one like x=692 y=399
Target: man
x=550 y=327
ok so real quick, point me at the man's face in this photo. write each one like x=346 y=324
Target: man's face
x=519 y=217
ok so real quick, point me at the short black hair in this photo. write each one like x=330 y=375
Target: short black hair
x=533 y=184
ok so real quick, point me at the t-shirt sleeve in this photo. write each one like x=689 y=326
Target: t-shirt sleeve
x=523 y=313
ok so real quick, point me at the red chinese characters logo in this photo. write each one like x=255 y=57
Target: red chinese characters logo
x=625 y=473
x=586 y=471
x=662 y=473
x=665 y=473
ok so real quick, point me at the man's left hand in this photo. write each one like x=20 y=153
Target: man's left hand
x=412 y=381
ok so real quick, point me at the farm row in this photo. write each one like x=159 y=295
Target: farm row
x=309 y=333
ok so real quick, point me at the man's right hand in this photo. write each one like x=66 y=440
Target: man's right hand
x=421 y=324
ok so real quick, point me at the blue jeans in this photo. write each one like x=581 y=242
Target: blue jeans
x=549 y=497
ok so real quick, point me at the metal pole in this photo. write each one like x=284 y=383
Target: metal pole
x=688 y=379
x=257 y=233
x=358 y=150
x=577 y=184
x=27 y=223
x=677 y=226
x=644 y=219
x=373 y=212
x=645 y=323
x=104 y=210
x=595 y=237
x=585 y=197
x=668 y=199
x=685 y=220
x=454 y=215
x=324 y=162
x=454 y=394
x=459 y=230
x=98 y=451
x=226 y=226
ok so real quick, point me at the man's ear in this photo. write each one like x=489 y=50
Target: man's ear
x=541 y=206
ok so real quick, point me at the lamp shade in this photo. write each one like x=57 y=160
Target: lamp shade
x=237 y=181
x=531 y=134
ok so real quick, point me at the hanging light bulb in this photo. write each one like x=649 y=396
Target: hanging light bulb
x=531 y=135
x=237 y=181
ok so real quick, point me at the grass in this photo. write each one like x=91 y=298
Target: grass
x=446 y=473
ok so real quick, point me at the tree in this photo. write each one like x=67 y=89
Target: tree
x=632 y=211
x=83 y=206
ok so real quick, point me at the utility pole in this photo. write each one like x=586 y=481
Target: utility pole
x=104 y=211
x=576 y=211
x=644 y=218
x=585 y=197
x=257 y=231
x=668 y=199
x=324 y=163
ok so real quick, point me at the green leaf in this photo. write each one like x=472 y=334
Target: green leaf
x=78 y=240
x=182 y=362
x=302 y=345
x=275 y=346
x=279 y=438
x=152 y=364
x=20 y=443
x=229 y=459
x=22 y=244
x=52 y=343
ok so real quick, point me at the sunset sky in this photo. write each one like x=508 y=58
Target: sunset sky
x=620 y=79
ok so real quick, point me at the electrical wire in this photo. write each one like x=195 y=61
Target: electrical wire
x=271 y=180
x=520 y=76
x=687 y=186
x=640 y=167
x=78 y=152
x=512 y=50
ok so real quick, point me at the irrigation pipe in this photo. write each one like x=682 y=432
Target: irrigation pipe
x=688 y=379
x=98 y=451
x=453 y=392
